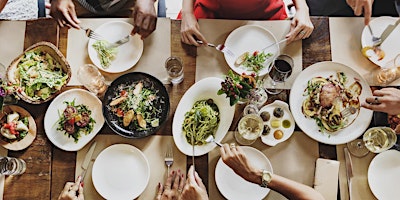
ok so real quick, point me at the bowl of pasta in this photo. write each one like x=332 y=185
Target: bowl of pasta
x=200 y=113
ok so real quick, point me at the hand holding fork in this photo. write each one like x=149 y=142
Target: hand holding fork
x=169 y=158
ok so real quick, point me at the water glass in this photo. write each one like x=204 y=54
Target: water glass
x=379 y=139
x=174 y=68
x=12 y=166
x=250 y=128
x=90 y=77
x=389 y=72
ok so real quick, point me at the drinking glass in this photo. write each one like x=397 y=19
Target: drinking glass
x=389 y=72
x=12 y=166
x=174 y=68
x=280 y=71
x=357 y=148
x=250 y=128
x=379 y=139
x=90 y=77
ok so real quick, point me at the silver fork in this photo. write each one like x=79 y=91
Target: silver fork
x=376 y=40
x=348 y=111
x=219 y=47
x=91 y=34
x=169 y=158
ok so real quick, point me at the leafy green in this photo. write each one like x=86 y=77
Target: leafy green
x=105 y=54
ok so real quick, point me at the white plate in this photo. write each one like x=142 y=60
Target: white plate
x=390 y=46
x=269 y=139
x=204 y=89
x=250 y=38
x=121 y=171
x=128 y=53
x=384 y=175
x=58 y=138
x=309 y=126
x=232 y=186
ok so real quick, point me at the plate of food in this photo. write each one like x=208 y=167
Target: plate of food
x=18 y=128
x=278 y=123
x=389 y=48
x=39 y=73
x=319 y=96
x=232 y=186
x=73 y=119
x=130 y=178
x=136 y=105
x=201 y=112
x=116 y=59
x=247 y=43
x=384 y=173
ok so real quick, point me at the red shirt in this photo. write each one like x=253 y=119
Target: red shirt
x=239 y=9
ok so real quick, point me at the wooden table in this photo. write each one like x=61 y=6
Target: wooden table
x=48 y=168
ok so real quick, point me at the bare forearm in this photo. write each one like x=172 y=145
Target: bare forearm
x=292 y=189
x=187 y=6
x=2 y=4
x=301 y=5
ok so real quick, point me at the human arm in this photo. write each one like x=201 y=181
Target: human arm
x=301 y=26
x=172 y=188
x=236 y=159
x=63 y=11
x=194 y=188
x=72 y=191
x=144 y=18
x=190 y=28
x=388 y=101
x=2 y=4
x=362 y=6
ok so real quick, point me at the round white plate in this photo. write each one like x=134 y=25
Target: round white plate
x=128 y=54
x=204 y=89
x=58 y=138
x=384 y=175
x=232 y=186
x=269 y=139
x=250 y=38
x=309 y=126
x=121 y=171
x=390 y=46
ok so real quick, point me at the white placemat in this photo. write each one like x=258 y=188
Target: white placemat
x=299 y=150
x=12 y=39
x=345 y=34
x=153 y=147
x=157 y=48
x=211 y=63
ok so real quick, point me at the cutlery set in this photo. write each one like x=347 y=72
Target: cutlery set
x=93 y=35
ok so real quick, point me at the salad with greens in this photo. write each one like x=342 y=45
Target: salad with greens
x=254 y=61
x=40 y=75
x=105 y=54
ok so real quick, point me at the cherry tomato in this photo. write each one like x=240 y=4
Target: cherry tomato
x=71 y=121
x=120 y=112
x=255 y=53
x=123 y=93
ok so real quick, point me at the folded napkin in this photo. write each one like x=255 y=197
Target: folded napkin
x=360 y=187
x=299 y=150
x=11 y=31
x=153 y=147
x=211 y=63
x=156 y=49
x=326 y=178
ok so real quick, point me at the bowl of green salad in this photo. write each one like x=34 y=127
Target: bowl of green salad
x=39 y=73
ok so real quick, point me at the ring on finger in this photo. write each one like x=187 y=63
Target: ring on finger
x=376 y=100
x=180 y=190
x=232 y=145
x=302 y=32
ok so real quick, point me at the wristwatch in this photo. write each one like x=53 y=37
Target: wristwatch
x=265 y=178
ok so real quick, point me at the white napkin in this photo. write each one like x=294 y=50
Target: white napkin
x=326 y=178
x=11 y=31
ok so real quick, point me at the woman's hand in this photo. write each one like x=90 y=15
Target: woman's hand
x=384 y=100
x=194 y=188
x=145 y=18
x=362 y=6
x=172 y=188
x=190 y=30
x=301 y=26
x=63 y=11
x=72 y=191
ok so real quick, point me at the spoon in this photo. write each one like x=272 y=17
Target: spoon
x=211 y=139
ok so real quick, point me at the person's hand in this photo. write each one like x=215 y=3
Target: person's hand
x=63 y=11
x=72 y=191
x=144 y=18
x=235 y=158
x=384 y=100
x=301 y=26
x=362 y=6
x=190 y=30
x=194 y=188
x=172 y=188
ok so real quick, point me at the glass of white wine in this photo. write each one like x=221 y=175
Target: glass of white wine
x=250 y=128
x=379 y=139
x=357 y=148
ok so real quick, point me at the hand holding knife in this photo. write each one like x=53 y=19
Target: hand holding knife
x=86 y=161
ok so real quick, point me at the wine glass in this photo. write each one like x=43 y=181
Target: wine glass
x=357 y=148
x=281 y=70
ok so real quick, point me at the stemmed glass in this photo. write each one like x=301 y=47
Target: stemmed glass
x=281 y=70
x=357 y=148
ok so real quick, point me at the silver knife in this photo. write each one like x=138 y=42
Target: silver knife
x=86 y=161
x=349 y=169
x=389 y=29
x=119 y=42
